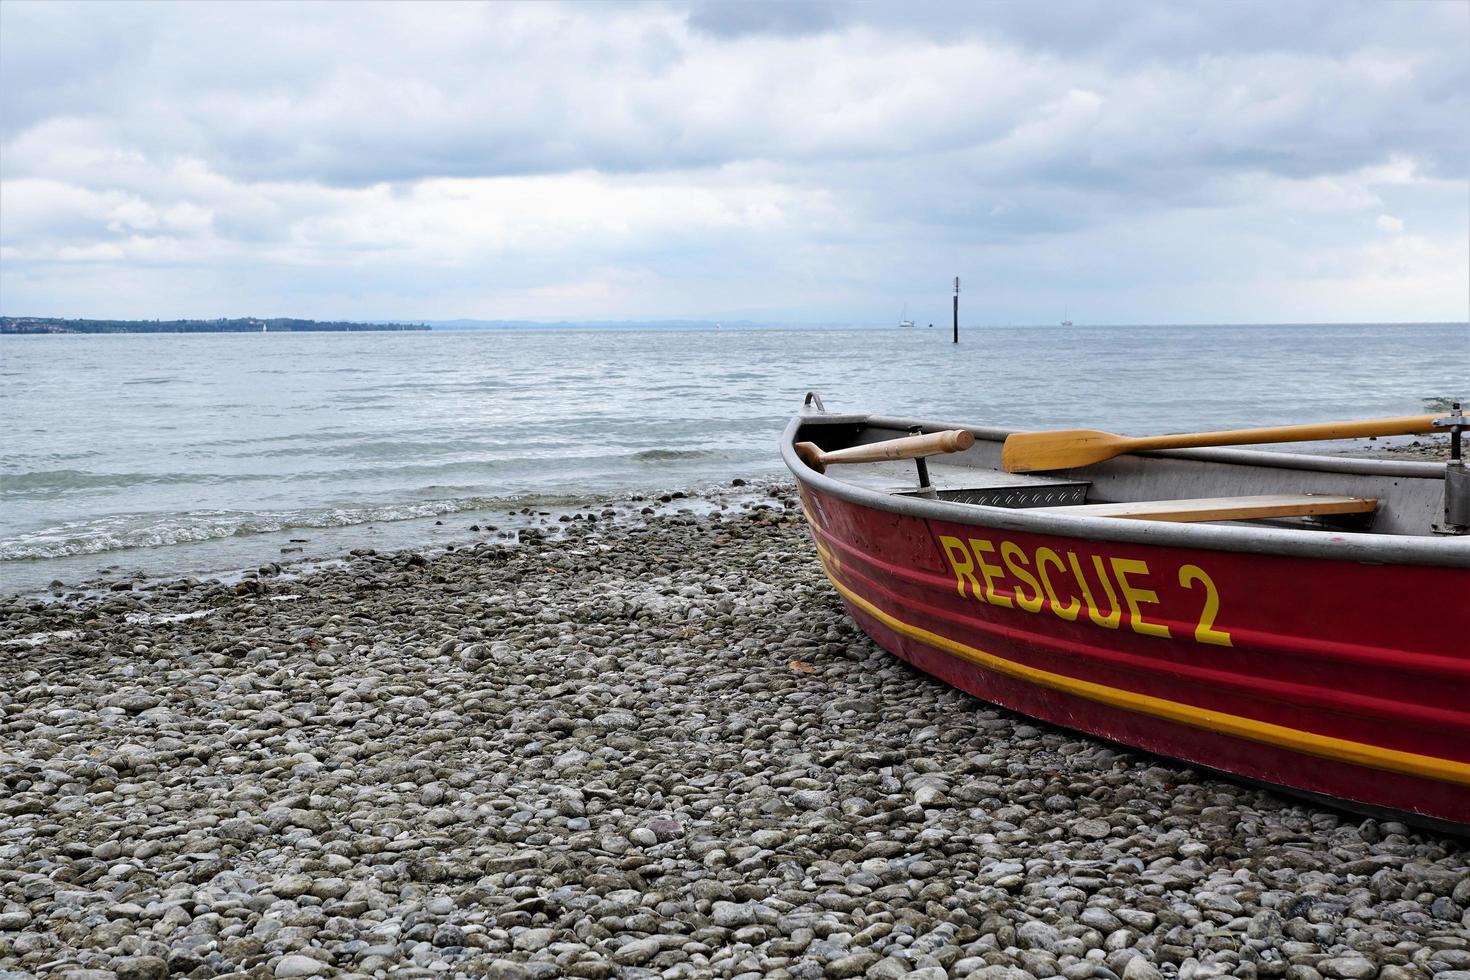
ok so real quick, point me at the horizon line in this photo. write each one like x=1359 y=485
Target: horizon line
x=674 y=321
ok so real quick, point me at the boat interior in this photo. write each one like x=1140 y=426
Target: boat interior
x=1234 y=487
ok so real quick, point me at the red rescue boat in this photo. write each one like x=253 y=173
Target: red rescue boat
x=1296 y=620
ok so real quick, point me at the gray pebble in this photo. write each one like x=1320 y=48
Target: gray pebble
x=301 y=966
x=637 y=952
x=141 y=968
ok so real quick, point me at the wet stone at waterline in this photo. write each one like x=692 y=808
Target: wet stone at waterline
x=659 y=749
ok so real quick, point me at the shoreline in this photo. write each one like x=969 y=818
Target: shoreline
x=1432 y=447
x=227 y=558
x=647 y=748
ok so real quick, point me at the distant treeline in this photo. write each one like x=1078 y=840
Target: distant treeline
x=51 y=324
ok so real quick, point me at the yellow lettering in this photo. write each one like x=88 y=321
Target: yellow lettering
x=964 y=568
x=1205 y=631
x=1018 y=563
x=1115 y=616
x=1044 y=557
x=1034 y=588
x=1133 y=595
x=989 y=572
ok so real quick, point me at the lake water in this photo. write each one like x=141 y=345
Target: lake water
x=169 y=452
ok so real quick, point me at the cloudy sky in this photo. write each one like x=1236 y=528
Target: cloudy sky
x=1126 y=162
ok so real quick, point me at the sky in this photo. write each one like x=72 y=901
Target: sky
x=1111 y=162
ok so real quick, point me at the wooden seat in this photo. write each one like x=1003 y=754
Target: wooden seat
x=1223 y=508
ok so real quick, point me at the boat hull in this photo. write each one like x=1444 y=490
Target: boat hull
x=1341 y=679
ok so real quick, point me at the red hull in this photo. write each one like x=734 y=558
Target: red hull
x=1343 y=679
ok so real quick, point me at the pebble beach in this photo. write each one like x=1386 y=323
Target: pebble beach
x=627 y=748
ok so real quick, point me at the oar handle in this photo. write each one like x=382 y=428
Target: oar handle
x=1403 y=426
x=907 y=447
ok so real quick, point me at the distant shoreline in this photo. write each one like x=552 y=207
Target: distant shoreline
x=60 y=325
x=34 y=325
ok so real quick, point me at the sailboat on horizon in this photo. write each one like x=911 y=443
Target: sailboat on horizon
x=904 y=322
x=1066 y=321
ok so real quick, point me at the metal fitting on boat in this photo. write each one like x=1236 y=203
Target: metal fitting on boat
x=1457 y=421
x=1456 y=499
x=1456 y=476
x=921 y=463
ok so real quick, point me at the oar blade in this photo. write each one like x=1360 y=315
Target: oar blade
x=1026 y=452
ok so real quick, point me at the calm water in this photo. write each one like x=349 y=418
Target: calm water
x=164 y=452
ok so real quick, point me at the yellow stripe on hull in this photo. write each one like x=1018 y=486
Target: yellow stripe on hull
x=1193 y=716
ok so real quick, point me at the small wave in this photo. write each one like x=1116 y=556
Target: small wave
x=146 y=618
x=17 y=461
x=1439 y=404
x=398 y=471
x=37 y=639
x=50 y=483
x=652 y=455
x=125 y=532
x=310 y=438
x=371 y=451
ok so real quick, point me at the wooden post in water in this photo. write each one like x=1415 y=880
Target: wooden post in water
x=957 y=309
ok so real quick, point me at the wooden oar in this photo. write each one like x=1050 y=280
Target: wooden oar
x=908 y=447
x=1025 y=452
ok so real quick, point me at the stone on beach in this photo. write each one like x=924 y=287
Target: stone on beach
x=301 y=966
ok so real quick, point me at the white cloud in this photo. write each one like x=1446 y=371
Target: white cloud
x=1388 y=223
